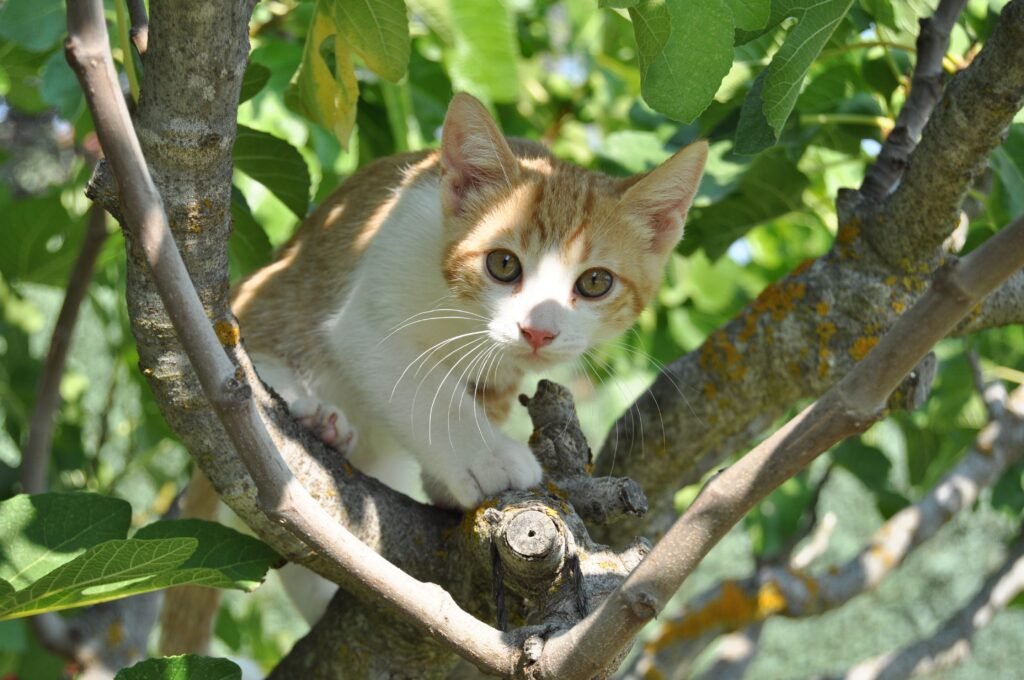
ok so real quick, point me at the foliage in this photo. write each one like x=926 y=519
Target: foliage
x=794 y=97
x=185 y=667
x=68 y=550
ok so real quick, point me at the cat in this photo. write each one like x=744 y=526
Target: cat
x=409 y=305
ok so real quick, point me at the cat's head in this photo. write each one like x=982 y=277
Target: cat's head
x=557 y=257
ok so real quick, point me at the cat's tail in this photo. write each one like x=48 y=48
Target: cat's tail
x=189 y=612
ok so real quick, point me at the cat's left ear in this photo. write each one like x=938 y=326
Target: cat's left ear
x=663 y=196
x=475 y=157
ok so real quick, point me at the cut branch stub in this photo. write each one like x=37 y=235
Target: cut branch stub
x=563 y=452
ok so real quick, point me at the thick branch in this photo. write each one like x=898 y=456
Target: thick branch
x=848 y=408
x=951 y=643
x=36 y=454
x=925 y=90
x=1004 y=307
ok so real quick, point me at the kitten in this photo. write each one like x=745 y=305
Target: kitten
x=409 y=305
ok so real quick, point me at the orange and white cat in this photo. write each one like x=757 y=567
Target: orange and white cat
x=409 y=305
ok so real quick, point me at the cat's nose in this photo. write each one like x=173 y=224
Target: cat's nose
x=537 y=337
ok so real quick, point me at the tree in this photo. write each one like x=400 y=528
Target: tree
x=866 y=306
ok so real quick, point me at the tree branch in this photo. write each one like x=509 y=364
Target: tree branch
x=925 y=91
x=849 y=408
x=978 y=105
x=36 y=454
x=951 y=643
x=140 y=25
x=1004 y=307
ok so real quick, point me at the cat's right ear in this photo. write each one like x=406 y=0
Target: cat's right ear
x=474 y=155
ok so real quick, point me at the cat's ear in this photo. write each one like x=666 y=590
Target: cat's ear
x=663 y=196
x=474 y=154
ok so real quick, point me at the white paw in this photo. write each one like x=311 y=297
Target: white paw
x=326 y=422
x=508 y=465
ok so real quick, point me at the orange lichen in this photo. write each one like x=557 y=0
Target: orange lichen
x=863 y=345
x=887 y=559
x=731 y=609
x=115 y=634
x=821 y=308
x=227 y=332
x=890 y=280
x=710 y=391
x=719 y=355
x=825 y=331
x=780 y=298
x=848 y=232
x=898 y=306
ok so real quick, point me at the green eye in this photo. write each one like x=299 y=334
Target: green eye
x=594 y=283
x=504 y=265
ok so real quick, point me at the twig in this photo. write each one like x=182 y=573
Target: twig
x=281 y=496
x=951 y=643
x=140 y=25
x=36 y=454
x=848 y=408
x=925 y=91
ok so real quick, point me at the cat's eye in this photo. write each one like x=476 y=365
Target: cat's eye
x=594 y=282
x=504 y=265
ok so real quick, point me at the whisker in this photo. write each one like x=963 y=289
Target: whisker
x=431 y=349
x=408 y=323
x=481 y=351
x=430 y=414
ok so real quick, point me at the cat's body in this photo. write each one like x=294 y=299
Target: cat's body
x=413 y=300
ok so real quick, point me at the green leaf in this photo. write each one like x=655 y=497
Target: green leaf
x=240 y=560
x=106 y=572
x=186 y=667
x=1008 y=163
x=617 y=4
x=36 y=25
x=867 y=463
x=60 y=87
x=771 y=187
x=685 y=48
x=45 y=239
x=275 y=164
x=326 y=93
x=67 y=550
x=750 y=15
x=775 y=91
x=378 y=32
x=486 y=54
x=248 y=248
x=256 y=78
x=41 y=532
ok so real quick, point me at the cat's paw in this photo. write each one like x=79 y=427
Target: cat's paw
x=508 y=465
x=327 y=422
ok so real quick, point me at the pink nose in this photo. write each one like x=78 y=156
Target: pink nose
x=537 y=337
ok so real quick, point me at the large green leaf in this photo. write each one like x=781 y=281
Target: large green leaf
x=256 y=78
x=378 y=31
x=685 y=49
x=36 y=25
x=486 y=52
x=771 y=187
x=326 y=90
x=45 y=239
x=275 y=164
x=186 y=667
x=1008 y=163
x=771 y=100
x=249 y=248
x=60 y=551
x=41 y=532
x=750 y=15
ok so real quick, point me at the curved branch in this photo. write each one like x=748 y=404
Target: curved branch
x=848 y=408
x=36 y=454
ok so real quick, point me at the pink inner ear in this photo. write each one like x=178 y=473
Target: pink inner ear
x=664 y=196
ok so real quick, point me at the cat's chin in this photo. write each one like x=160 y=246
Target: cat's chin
x=539 y=361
